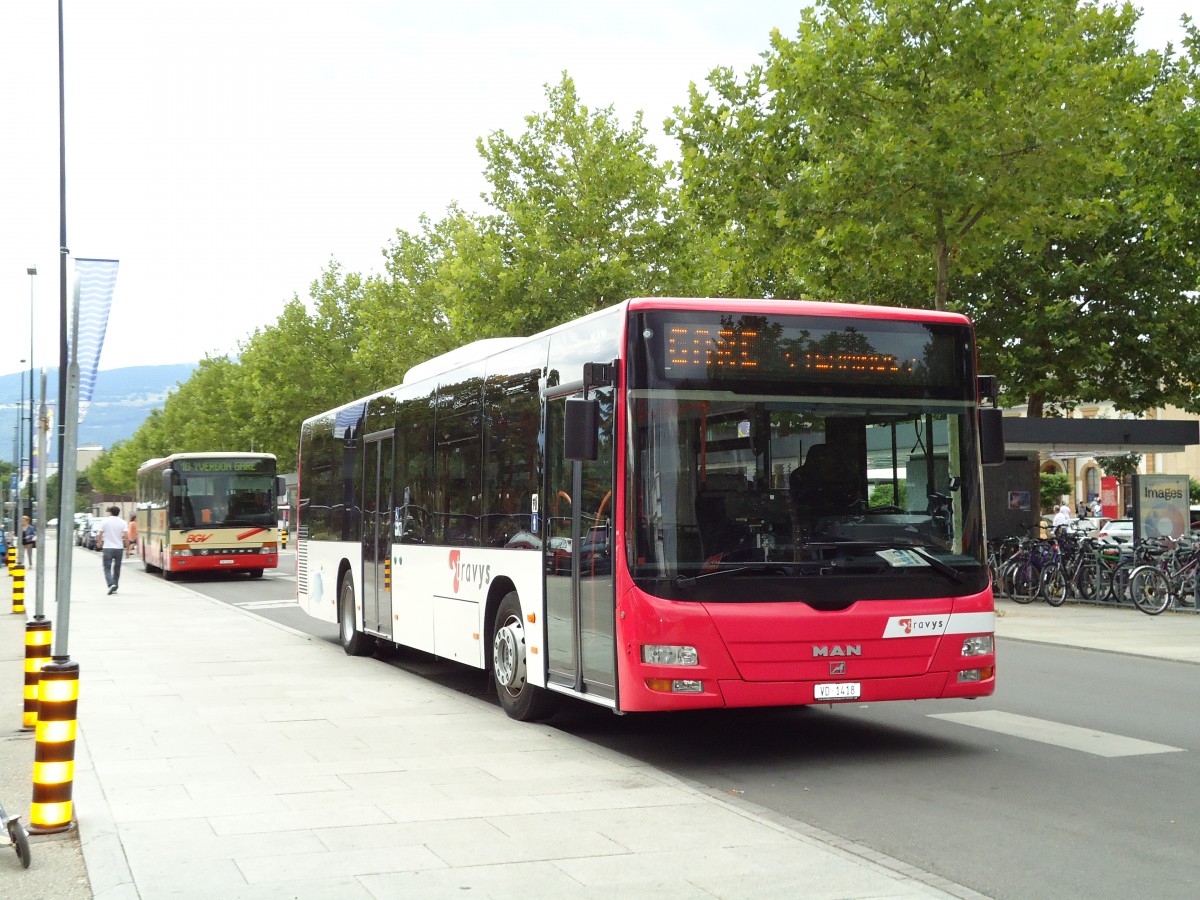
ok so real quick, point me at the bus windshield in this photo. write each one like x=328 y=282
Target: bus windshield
x=778 y=449
x=211 y=493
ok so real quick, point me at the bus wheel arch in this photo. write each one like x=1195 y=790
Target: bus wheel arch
x=508 y=660
x=353 y=641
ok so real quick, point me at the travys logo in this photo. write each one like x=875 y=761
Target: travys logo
x=478 y=574
x=915 y=626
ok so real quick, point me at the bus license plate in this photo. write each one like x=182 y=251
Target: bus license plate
x=226 y=562
x=841 y=690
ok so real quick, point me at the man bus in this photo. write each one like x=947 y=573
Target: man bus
x=208 y=512
x=670 y=504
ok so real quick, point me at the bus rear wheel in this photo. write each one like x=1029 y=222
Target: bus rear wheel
x=518 y=698
x=354 y=642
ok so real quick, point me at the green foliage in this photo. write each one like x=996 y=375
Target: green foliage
x=1054 y=486
x=1008 y=159
x=1193 y=491
x=1119 y=466
x=883 y=495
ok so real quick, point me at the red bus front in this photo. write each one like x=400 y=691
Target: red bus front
x=801 y=516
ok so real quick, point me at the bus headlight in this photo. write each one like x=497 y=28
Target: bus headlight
x=980 y=645
x=670 y=655
x=181 y=550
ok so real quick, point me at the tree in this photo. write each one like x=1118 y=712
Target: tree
x=584 y=217
x=1054 y=486
x=968 y=155
x=1121 y=466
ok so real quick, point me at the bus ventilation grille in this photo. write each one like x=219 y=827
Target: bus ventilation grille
x=302 y=560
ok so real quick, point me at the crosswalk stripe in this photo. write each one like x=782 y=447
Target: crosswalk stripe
x=1086 y=740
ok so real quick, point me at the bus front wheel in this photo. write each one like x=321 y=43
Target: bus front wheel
x=354 y=642
x=520 y=699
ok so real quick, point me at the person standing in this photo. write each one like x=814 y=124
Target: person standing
x=131 y=539
x=28 y=540
x=112 y=546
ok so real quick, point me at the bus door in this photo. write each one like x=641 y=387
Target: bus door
x=579 y=528
x=377 y=532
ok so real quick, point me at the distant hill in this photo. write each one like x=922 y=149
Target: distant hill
x=122 y=400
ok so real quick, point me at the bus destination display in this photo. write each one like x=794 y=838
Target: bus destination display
x=720 y=349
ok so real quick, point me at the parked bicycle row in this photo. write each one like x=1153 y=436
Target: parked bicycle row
x=1154 y=575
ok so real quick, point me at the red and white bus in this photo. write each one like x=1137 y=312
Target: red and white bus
x=208 y=511
x=670 y=504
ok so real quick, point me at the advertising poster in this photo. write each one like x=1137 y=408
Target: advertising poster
x=1160 y=506
x=1108 y=498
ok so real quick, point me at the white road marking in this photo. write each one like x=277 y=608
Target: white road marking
x=1099 y=743
x=266 y=604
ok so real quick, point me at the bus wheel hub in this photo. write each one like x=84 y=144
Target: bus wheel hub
x=508 y=653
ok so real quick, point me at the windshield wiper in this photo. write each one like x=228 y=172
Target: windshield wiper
x=938 y=565
x=683 y=582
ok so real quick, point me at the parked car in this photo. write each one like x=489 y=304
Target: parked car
x=1118 y=531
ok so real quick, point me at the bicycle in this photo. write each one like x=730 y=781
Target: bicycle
x=1173 y=573
x=1034 y=571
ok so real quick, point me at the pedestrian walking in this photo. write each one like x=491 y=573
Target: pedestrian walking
x=112 y=547
x=28 y=540
x=1062 y=517
x=131 y=540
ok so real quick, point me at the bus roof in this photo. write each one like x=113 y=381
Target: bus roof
x=480 y=350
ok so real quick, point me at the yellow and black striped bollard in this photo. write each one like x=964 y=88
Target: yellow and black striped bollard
x=37 y=655
x=18 y=589
x=283 y=538
x=10 y=558
x=54 y=748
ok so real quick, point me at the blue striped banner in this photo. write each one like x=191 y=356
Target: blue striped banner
x=95 y=280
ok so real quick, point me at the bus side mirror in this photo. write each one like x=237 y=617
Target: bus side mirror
x=991 y=436
x=168 y=477
x=280 y=488
x=579 y=430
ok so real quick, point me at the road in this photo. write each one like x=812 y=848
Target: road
x=1080 y=777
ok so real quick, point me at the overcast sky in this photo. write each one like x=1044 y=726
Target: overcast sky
x=226 y=150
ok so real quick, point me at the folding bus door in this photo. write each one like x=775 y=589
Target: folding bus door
x=377 y=532
x=580 y=597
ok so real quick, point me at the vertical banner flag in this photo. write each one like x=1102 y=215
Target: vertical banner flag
x=95 y=280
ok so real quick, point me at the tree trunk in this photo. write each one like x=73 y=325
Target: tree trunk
x=1037 y=404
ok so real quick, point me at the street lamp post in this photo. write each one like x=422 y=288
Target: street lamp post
x=18 y=508
x=31 y=272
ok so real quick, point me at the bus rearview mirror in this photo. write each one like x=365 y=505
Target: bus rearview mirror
x=991 y=436
x=579 y=429
x=168 y=477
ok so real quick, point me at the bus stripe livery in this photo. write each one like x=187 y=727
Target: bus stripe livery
x=670 y=504
x=209 y=511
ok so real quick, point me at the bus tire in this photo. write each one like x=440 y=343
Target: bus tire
x=354 y=642
x=518 y=698
x=256 y=573
x=168 y=574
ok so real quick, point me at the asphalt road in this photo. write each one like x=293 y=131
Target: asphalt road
x=1080 y=777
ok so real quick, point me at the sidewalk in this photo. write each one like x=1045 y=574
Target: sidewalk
x=220 y=755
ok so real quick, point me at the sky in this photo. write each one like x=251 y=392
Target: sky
x=226 y=151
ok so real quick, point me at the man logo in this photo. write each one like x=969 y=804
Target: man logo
x=837 y=668
x=835 y=650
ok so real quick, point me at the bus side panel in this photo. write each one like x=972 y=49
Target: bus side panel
x=439 y=600
x=318 y=592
